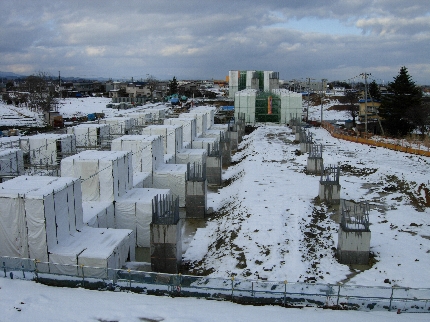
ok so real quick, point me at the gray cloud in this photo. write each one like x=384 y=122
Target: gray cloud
x=195 y=39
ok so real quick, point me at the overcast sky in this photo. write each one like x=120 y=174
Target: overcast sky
x=195 y=39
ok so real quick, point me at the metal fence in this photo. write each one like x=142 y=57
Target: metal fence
x=256 y=292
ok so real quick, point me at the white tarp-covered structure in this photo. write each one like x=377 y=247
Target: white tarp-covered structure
x=48 y=149
x=89 y=135
x=171 y=134
x=201 y=121
x=140 y=118
x=244 y=102
x=147 y=151
x=105 y=175
x=134 y=211
x=99 y=214
x=189 y=128
x=173 y=177
x=203 y=143
x=15 y=142
x=197 y=156
x=209 y=111
x=11 y=164
x=118 y=125
x=157 y=113
x=36 y=212
x=291 y=104
x=93 y=251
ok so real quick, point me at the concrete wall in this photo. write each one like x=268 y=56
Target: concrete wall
x=330 y=192
x=315 y=165
x=214 y=170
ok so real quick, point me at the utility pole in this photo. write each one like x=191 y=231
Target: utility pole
x=322 y=97
x=365 y=101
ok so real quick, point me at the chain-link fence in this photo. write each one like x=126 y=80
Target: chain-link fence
x=340 y=296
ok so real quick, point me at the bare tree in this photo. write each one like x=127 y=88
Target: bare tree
x=151 y=84
x=351 y=97
x=39 y=95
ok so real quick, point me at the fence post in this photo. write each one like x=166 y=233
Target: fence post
x=391 y=298
x=23 y=272
x=232 y=287
x=129 y=280
x=35 y=269
x=285 y=292
x=4 y=268
x=338 y=295
x=83 y=275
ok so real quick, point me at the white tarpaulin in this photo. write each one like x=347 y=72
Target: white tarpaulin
x=105 y=175
x=99 y=248
x=47 y=149
x=98 y=214
x=189 y=127
x=134 y=211
x=142 y=180
x=172 y=136
x=147 y=151
x=185 y=156
x=11 y=163
x=89 y=134
x=209 y=111
x=203 y=143
x=173 y=177
x=118 y=125
x=37 y=212
x=201 y=121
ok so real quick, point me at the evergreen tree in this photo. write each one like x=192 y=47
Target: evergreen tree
x=396 y=107
x=173 y=86
x=374 y=92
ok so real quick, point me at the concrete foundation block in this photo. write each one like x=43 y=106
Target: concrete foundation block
x=226 y=153
x=315 y=165
x=353 y=247
x=166 y=248
x=329 y=192
x=234 y=141
x=305 y=147
x=214 y=170
x=196 y=199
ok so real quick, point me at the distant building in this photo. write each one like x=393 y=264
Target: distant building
x=239 y=80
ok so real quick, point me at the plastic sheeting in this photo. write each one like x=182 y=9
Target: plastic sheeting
x=99 y=214
x=201 y=121
x=142 y=180
x=99 y=248
x=89 y=135
x=118 y=125
x=36 y=213
x=147 y=151
x=173 y=177
x=46 y=149
x=134 y=211
x=105 y=175
x=202 y=143
x=191 y=156
x=244 y=102
x=291 y=104
x=11 y=163
x=210 y=114
x=171 y=134
x=189 y=127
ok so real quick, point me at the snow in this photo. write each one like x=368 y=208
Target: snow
x=25 y=301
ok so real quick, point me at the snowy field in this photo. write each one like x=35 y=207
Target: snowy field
x=28 y=301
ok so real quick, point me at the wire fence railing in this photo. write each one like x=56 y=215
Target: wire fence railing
x=244 y=291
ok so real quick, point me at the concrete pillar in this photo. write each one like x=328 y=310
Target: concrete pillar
x=353 y=246
x=196 y=199
x=329 y=191
x=315 y=165
x=166 y=248
x=214 y=170
x=226 y=152
x=305 y=147
x=234 y=140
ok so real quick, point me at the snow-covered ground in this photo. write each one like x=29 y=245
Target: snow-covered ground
x=28 y=301
x=268 y=211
